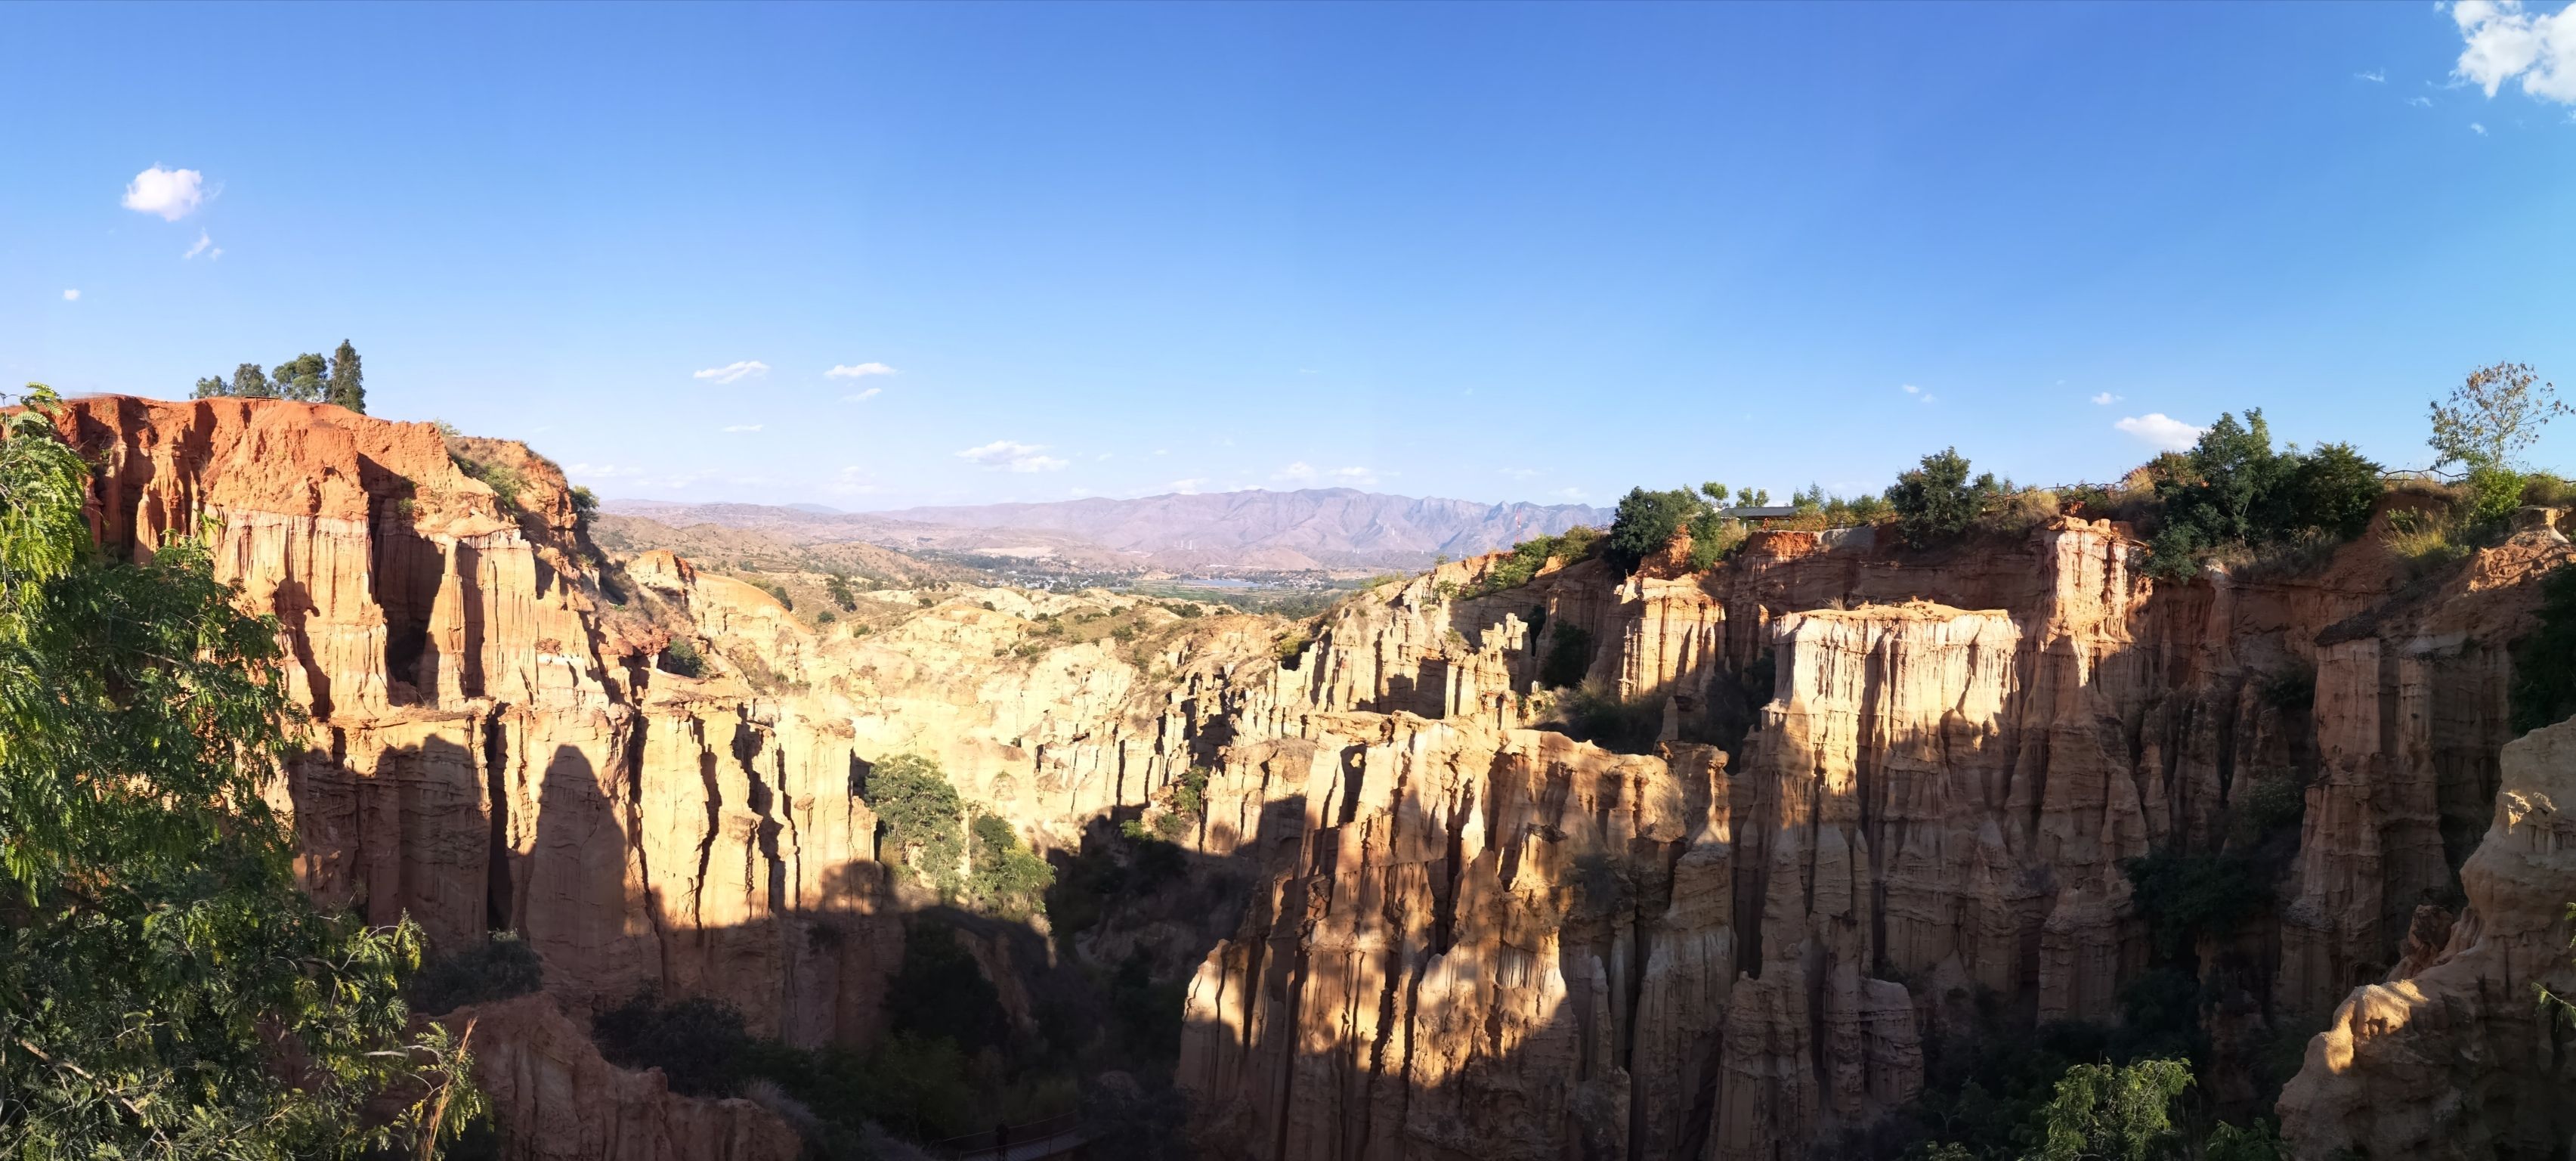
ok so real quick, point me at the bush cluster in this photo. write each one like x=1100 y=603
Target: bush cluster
x=951 y=1064
x=2232 y=489
x=1529 y=556
x=972 y=858
x=504 y=966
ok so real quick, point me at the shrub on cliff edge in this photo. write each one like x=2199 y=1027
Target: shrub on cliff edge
x=1937 y=501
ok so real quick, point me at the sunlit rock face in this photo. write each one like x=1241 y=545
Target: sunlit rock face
x=2451 y=1056
x=1880 y=784
x=1731 y=955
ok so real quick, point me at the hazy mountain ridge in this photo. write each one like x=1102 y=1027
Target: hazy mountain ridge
x=1257 y=529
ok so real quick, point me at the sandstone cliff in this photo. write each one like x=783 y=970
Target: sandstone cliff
x=2452 y=1056
x=1888 y=784
x=492 y=746
x=1484 y=940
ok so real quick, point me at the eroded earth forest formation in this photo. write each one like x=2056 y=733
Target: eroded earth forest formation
x=1771 y=852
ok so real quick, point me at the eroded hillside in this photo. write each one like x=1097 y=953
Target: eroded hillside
x=1866 y=806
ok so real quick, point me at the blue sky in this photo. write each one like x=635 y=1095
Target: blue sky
x=1493 y=252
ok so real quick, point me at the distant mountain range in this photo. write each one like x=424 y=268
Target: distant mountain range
x=1315 y=528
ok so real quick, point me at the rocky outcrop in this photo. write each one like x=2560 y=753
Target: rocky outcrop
x=1929 y=801
x=1886 y=783
x=559 y=1101
x=492 y=747
x=2455 y=1057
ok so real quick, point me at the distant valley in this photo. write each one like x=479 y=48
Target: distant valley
x=1329 y=530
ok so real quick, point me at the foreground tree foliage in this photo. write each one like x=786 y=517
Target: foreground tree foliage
x=165 y=989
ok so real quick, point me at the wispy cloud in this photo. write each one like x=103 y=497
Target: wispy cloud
x=2478 y=129
x=2161 y=431
x=1364 y=477
x=171 y=193
x=1917 y=392
x=2503 y=41
x=733 y=371
x=71 y=296
x=205 y=245
x=859 y=371
x=1571 y=493
x=1188 y=487
x=2420 y=102
x=2374 y=76
x=1013 y=456
x=1298 y=472
x=2105 y=399
x=744 y=427
x=1517 y=473
x=863 y=396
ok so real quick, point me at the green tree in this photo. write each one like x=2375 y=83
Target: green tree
x=249 y=382
x=2107 y=1112
x=348 y=383
x=303 y=378
x=837 y=587
x=1937 y=501
x=2492 y=417
x=166 y=991
x=1005 y=877
x=211 y=387
x=2232 y=488
x=1645 y=522
x=923 y=819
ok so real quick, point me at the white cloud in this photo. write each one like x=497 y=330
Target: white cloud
x=1363 y=477
x=71 y=296
x=863 y=396
x=1009 y=455
x=1188 y=487
x=744 y=427
x=1910 y=388
x=2478 y=129
x=2505 y=42
x=2161 y=431
x=171 y=193
x=2105 y=399
x=732 y=371
x=2420 y=102
x=1301 y=471
x=2374 y=76
x=861 y=371
x=203 y=242
x=1570 y=493
x=1105 y=457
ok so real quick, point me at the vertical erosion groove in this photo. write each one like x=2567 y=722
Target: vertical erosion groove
x=496 y=786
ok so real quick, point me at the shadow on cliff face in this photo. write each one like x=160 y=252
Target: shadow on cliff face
x=2146 y=781
x=727 y=960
